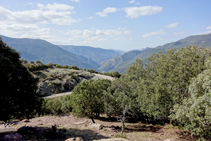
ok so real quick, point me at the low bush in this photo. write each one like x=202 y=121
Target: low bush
x=57 y=106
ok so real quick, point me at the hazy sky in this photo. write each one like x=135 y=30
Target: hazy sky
x=110 y=24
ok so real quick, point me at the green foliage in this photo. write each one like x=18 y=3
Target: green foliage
x=179 y=79
x=18 y=87
x=195 y=111
x=58 y=105
x=73 y=67
x=153 y=90
x=122 y=91
x=91 y=70
x=167 y=79
x=116 y=74
x=31 y=62
x=112 y=74
x=88 y=97
x=24 y=61
x=50 y=65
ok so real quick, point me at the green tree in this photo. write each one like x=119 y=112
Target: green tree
x=194 y=114
x=24 y=61
x=116 y=74
x=18 y=87
x=50 y=65
x=122 y=92
x=167 y=79
x=88 y=98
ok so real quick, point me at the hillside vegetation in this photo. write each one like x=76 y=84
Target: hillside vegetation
x=172 y=87
x=55 y=78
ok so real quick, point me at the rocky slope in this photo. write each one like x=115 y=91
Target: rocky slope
x=52 y=81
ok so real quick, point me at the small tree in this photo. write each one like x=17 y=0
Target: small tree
x=24 y=61
x=88 y=98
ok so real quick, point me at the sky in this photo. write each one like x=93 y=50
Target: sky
x=109 y=24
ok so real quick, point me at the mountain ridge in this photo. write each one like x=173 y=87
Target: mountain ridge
x=196 y=40
x=38 y=49
x=97 y=54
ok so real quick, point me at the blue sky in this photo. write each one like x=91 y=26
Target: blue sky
x=109 y=24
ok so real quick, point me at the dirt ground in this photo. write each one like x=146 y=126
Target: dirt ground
x=84 y=129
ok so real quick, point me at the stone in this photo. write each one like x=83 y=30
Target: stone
x=13 y=136
x=43 y=89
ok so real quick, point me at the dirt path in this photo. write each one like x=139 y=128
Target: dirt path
x=104 y=76
x=58 y=95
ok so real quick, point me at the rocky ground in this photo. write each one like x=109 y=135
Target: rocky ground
x=57 y=80
x=82 y=129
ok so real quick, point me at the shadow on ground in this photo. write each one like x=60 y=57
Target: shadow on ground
x=86 y=134
x=48 y=134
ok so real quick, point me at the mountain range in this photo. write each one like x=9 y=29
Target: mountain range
x=94 y=58
x=96 y=54
x=37 y=49
x=121 y=65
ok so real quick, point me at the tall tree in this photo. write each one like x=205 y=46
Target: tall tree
x=18 y=87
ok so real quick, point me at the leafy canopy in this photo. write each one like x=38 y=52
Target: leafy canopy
x=18 y=87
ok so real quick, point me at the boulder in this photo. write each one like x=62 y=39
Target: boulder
x=43 y=89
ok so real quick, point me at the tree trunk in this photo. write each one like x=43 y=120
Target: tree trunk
x=123 y=127
x=92 y=119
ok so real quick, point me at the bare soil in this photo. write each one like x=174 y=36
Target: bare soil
x=84 y=129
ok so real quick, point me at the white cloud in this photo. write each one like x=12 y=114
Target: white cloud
x=55 y=7
x=25 y=31
x=106 y=11
x=94 y=39
x=208 y=28
x=173 y=25
x=75 y=0
x=97 y=35
x=153 y=33
x=112 y=32
x=92 y=32
x=73 y=32
x=135 y=12
x=88 y=32
x=131 y=2
x=59 y=14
